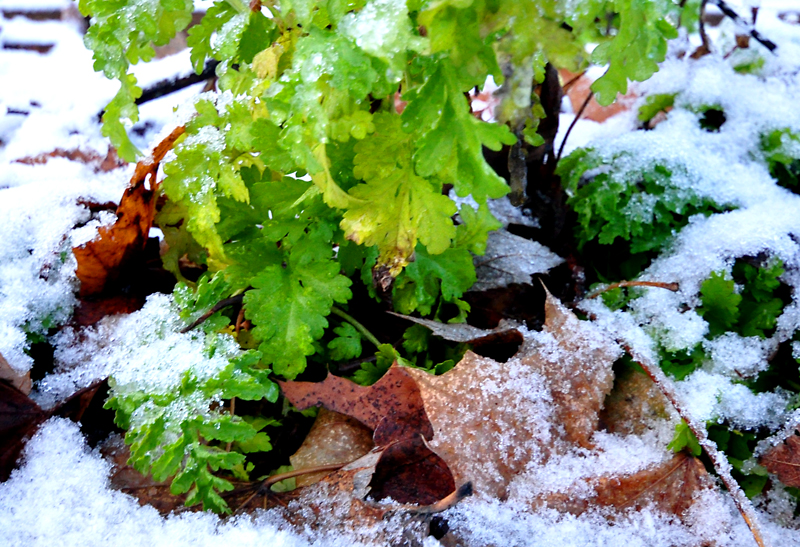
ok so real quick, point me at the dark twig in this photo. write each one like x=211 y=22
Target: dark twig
x=729 y=12
x=171 y=85
x=657 y=284
x=232 y=301
x=572 y=125
x=263 y=489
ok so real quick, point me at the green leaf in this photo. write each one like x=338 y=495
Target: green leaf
x=289 y=304
x=720 y=303
x=395 y=208
x=347 y=345
x=655 y=104
x=450 y=274
x=635 y=51
x=685 y=439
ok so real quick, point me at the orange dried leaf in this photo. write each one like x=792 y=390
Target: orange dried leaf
x=784 y=460
x=671 y=487
x=101 y=260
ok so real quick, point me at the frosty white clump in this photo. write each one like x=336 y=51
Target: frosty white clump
x=143 y=352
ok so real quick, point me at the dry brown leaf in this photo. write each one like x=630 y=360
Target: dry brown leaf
x=634 y=404
x=392 y=407
x=671 y=487
x=784 y=460
x=103 y=164
x=334 y=438
x=579 y=375
x=101 y=260
x=20 y=381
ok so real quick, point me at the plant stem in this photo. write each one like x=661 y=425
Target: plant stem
x=359 y=327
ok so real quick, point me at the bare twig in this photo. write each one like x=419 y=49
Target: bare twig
x=224 y=303
x=263 y=489
x=729 y=12
x=572 y=125
x=657 y=284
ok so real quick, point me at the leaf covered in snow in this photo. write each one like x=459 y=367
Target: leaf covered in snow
x=511 y=259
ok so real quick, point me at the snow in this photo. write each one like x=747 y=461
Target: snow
x=60 y=494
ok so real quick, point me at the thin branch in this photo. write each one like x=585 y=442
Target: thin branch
x=232 y=301
x=572 y=125
x=359 y=327
x=657 y=284
x=440 y=506
x=729 y=12
x=263 y=489
x=572 y=81
x=171 y=85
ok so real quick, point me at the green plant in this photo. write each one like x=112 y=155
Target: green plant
x=302 y=174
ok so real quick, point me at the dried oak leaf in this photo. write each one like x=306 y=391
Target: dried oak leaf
x=337 y=504
x=491 y=419
x=392 y=407
x=784 y=460
x=102 y=259
x=334 y=439
x=634 y=404
x=670 y=487
x=407 y=470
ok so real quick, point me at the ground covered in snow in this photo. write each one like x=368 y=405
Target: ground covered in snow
x=60 y=494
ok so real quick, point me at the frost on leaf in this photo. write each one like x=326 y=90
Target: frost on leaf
x=784 y=461
x=511 y=259
x=671 y=487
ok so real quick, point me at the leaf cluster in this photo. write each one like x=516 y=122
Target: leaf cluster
x=642 y=207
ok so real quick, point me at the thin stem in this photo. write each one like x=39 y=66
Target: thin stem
x=263 y=489
x=359 y=327
x=572 y=125
x=657 y=284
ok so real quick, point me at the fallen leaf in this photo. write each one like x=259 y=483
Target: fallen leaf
x=21 y=381
x=20 y=417
x=511 y=259
x=461 y=332
x=634 y=404
x=579 y=372
x=392 y=407
x=408 y=471
x=100 y=163
x=671 y=487
x=101 y=260
x=491 y=419
x=784 y=460
x=334 y=438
